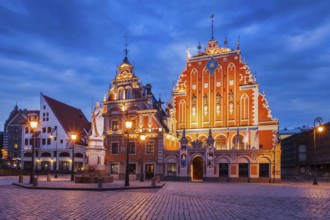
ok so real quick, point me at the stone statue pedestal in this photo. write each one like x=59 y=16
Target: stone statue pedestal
x=95 y=153
x=95 y=168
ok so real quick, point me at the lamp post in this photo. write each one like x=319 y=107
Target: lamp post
x=317 y=121
x=33 y=125
x=73 y=139
x=56 y=151
x=142 y=138
x=128 y=125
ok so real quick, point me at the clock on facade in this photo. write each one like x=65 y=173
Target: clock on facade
x=211 y=65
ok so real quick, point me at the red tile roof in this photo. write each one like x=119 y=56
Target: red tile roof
x=71 y=118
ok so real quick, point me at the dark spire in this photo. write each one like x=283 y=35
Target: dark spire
x=183 y=140
x=210 y=139
x=238 y=43
x=126 y=50
x=212 y=17
x=199 y=48
x=225 y=42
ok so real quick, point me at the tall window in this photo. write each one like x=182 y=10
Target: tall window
x=115 y=125
x=133 y=120
x=114 y=148
x=171 y=169
x=221 y=143
x=131 y=148
x=114 y=168
x=182 y=112
x=150 y=147
x=223 y=169
x=264 y=170
x=302 y=152
x=132 y=168
x=243 y=170
x=238 y=142
x=244 y=107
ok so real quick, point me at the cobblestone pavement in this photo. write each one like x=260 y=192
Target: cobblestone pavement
x=176 y=200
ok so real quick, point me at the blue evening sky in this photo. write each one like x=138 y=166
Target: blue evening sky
x=69 y=49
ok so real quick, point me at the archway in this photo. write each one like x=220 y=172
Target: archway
x=197 y=168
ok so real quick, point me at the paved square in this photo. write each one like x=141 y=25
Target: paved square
x=176 y=200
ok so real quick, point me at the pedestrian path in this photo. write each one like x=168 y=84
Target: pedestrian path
x=64 y=183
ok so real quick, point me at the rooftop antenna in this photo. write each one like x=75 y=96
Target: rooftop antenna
x=212 y=18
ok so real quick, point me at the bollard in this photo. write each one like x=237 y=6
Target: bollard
x=99 y=182
x=158 y=179
x=35 y=181
x=20 y=178
x=49 y=178
x=153 y=182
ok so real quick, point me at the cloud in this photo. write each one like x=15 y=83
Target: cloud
x=309 y=38
x=70 y=49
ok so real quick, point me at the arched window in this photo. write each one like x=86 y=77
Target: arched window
x=237 y=142
x=45 y=154
x=182 y=112
x=64 y=154
x=244 y=106
x=203 y=140
x=29 y=154
x=78 y=155
x=221 y=142
x=189 y=140
x=121 y=94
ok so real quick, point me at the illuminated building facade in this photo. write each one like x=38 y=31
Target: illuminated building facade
x=53 y=148
x=217 y=126
x=225 y=124
x=128 y=100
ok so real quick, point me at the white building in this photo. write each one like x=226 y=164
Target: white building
x=57 y=122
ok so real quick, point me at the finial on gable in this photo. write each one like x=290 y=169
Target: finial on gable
x=212 y=18
x=225 y=42
x=238 y=43
x=126 y=50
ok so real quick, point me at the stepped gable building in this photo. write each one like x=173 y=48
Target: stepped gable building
x=129 y=100
x=54 y=147
x=225 y=124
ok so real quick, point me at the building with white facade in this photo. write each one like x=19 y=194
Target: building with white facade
x=53 y=145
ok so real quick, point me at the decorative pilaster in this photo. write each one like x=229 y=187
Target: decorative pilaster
x=183 y=154
x=210 y=155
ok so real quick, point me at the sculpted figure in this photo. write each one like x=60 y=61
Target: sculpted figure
x=97 y=121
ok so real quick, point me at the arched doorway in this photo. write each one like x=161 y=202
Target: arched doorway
x=197 y=168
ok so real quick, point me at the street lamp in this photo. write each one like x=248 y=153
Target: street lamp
x=33 y=125
x=73 y=139
x=319 y=128
x=142 y=138
x=128 y=125
x=56 y=161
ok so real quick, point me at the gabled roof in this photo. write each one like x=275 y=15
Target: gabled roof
x=19 y=117
x=71 y=118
